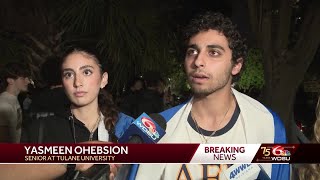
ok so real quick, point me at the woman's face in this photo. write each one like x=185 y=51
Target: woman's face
x=82 y=79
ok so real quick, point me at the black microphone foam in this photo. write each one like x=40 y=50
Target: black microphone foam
x=135 y=139
x=159 y=120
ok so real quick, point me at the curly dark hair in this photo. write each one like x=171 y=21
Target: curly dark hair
x=217 y=21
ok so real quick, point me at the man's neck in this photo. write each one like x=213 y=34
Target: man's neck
x=213 y=110
x=12 y=90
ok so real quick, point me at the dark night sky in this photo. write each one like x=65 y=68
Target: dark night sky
x=17 y=16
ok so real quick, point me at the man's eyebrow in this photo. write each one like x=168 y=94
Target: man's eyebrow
x=194 y=46
x=216 y=46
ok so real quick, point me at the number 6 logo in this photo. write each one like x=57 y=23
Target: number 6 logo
x=277 y=150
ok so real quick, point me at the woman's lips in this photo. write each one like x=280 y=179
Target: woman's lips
x=79 y=93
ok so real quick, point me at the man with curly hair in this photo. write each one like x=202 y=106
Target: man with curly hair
x=217 y=113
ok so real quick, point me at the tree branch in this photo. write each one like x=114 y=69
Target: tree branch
x=283 y=30
x=40 y=45
x=309 y=37
x=252 y=6
x=308 y=42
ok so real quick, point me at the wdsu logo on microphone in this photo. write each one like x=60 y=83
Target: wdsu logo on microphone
x=149 y=127
x=276 y=153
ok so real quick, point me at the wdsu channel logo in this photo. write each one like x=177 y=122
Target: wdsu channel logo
x=276 y=153
x=150 y=128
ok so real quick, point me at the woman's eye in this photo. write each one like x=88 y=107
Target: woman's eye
x=87 y=72
x=67 y=75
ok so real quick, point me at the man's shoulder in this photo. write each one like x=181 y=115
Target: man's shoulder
x=251 y=109
x=169 y=113
x=7 y=100
x=248 y=102
x=6 y=106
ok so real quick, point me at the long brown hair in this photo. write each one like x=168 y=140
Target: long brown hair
x=312 y=171
x=105 y=102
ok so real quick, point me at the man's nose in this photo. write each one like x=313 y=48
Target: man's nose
x=28 y=80
x=199 y=60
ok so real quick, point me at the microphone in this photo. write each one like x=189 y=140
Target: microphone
x=145 y=129
x=246 y=171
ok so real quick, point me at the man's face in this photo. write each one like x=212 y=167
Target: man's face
x=21 y=84
x=208 y=63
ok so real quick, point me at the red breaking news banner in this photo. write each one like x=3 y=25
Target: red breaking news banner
x=159 y=153
x=96 y=153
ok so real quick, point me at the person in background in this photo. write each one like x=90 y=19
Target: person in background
x=53 y=98
x=150 y=99
x=129 y=99
x=216 y=114
x=136 y=86
x=27 y=102
x=14 y=79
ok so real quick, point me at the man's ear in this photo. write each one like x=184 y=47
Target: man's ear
x=10 y=81
x=104 y=81
x=237 y=66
